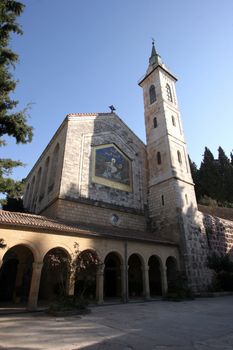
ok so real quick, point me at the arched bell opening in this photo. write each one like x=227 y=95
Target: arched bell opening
x=15 y=274
x=155 y=280
x=54 y=275
x=135 y=276
x=112 y=276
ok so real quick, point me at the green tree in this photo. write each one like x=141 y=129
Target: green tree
x=209 y=175
x=225 y=183
x=195 y=176
x=12 y=123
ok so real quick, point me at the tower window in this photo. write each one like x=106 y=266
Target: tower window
x=152 y=94
x=169 y=92
x=159 y=160
x=162 y=199
x=179 y=157
x=173 y=121
x=155 y=122
x=186 y=198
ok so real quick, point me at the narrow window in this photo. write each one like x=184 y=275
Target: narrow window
x=186 y=199
x=155 y=122
x=162 y=199
x=173 y=121
x=179 y=157
x=169 y=93
x=159 y=160
x=152 y=94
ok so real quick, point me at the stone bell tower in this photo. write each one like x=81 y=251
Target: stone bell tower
x=171 y=195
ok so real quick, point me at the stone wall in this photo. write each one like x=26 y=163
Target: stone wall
x=204 y=235
x=77 y=212
x=85 y=132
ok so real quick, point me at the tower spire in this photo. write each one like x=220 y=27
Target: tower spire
x=154 y=57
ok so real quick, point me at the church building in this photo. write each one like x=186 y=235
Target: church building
x=133 y=205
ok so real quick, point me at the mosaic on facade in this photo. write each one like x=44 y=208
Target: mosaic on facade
x=111 y=168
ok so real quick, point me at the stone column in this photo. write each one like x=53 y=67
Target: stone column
x=164 y=280
x=100 y=284
x=35 y=285
x=124 y=283
x=146 y=285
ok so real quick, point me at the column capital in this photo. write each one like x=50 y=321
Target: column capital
x=100 y=269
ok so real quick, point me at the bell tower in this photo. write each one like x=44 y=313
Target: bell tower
x=170 y=185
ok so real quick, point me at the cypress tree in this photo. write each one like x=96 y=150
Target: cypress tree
x=209 y=175
x=195 y=177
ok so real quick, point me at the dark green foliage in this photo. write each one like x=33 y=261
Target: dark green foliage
x=178 y=288
x=208 y=175
x=214 y=180
x=223 y=268
x=13 y=204
x=83 y=268
x=195 y=176
x=12 y=123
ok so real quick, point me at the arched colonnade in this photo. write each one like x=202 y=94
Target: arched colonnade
x=27 y=277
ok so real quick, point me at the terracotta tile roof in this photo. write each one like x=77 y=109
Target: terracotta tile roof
x=38 y=222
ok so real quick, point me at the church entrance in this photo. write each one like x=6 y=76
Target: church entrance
x=135 y=278
x=15 y=274
x=112 y=276
x=54 y=274
x=155 y=276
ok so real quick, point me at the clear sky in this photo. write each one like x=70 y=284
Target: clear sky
x=84 y=55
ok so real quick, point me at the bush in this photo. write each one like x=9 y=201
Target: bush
x=178 y=288
x=223 y=268
x=68 y=303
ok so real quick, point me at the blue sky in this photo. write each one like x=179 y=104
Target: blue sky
x=84 y=55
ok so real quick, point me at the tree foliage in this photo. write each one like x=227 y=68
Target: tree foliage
x=12 y=122
x=214 y=179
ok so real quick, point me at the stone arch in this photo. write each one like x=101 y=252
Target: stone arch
x=135 y=275
x=155 y=275
x=172 y=268
x=112 y=275
x=54 y=274
x=86 y=266
x=16 y=274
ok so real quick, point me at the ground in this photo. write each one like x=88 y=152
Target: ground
x=201 y=324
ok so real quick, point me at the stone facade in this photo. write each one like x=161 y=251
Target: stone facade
x=97 y=184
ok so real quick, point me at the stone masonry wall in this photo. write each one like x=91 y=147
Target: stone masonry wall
x=204 y=236
x=71 y=211
x=86 y=132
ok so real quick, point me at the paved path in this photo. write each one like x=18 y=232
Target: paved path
x=200 y=324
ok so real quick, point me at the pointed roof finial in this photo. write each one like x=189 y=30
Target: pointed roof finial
x=154 y=57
